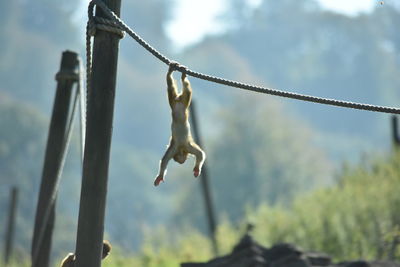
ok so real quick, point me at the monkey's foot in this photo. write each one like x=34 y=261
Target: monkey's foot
x=158 y=180
x=196 y=171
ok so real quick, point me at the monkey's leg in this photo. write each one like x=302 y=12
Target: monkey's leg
x=200 y=157
x=164 y=162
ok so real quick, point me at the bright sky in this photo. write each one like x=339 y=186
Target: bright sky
x=202 y=17
x=195 y=19
x=350 y=7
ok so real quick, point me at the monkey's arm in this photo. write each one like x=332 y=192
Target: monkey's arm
x=172 y=93
x=187 y=90
x=171 y=150
x=200 y=157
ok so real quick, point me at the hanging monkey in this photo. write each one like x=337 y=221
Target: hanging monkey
x=181 y=142
x=69 y=260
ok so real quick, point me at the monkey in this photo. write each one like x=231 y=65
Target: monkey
x=181 y=142
x=69 y=260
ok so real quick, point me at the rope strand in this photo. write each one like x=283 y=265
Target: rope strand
x=265 y=90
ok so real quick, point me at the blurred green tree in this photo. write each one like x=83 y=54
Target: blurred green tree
x=36 y=32
x=260 y=155
x=21 y=152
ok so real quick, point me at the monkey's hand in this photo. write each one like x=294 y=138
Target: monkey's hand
x=173 y=65
x=158 y=180
x=196 y=171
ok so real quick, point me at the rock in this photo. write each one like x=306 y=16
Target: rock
x=318 y=258
x=248 y=253
x=282 y=250
x=361 y=263
x=291 y=260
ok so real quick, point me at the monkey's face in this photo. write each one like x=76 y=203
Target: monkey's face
x=181 y=156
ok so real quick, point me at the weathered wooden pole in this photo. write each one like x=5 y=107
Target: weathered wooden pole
x=53 y=162
x=209 y=207
x=10 y=225
x=97 y=146
x=395 y=131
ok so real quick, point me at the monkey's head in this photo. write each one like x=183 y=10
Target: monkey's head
x=106 y=249
x=181 y=156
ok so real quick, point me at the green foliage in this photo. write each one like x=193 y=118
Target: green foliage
x=129 y=208
x=356 y=218
x=15 y=263
x=35 y=33
x=259 y=156
x=21 y=153
x=162 y=247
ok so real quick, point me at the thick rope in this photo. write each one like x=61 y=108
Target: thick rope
x=82 y=110
x=93 y=25
x=126 y=28
x=88 y=60
x=98 y=23
x=67 y=75
x=77 y=77
x=121 y=25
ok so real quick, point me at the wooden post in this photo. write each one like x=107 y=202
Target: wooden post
x=395 y=131
x=205 y=184
x=10 y=225
x=45 y=212
x=97 y=147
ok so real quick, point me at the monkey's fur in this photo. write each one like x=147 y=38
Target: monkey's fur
x=69 y=260
x=181 y=142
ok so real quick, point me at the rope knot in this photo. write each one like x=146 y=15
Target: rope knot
x=67 y=75
x=98 y=23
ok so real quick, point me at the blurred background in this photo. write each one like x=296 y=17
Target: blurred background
x=279 y=163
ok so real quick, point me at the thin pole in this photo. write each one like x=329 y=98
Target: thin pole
x=53 y=163
x=205 y=184
x=11 y=225
x=97 y=146
x=395 y=131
